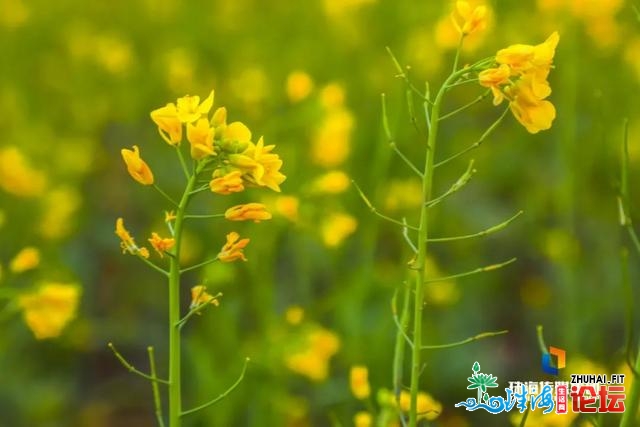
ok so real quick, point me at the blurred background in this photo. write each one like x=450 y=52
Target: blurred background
x=77 y=83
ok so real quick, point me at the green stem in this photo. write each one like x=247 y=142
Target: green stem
x=175 y=392
x=419 y=264
x=401 y=335
x=480 y=336
x=633 y=399
x=157 y=403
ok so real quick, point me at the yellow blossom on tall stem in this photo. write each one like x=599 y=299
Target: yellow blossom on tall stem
x=472 y=19
x=161 y=244
x=200 y=136
x=169 y=125
x=127 y=243
x=227 y=184
x=189 y=108
x=138 y=168
x=199 y=296
x=250 y=211
x=213 y=144
x=233 y=249
x=261 y=167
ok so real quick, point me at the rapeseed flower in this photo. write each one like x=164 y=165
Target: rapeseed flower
x=233 y=249
x=200 y=136
x=359 y=382
x=137 y=168
x=27 y=259
x=127 y=243
x=250 y=211
x=521 y=78
x=468 y=20
x=199 y=296
x=161 y=244
x=227 y=184
x=48 y=310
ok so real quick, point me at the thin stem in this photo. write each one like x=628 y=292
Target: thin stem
x=465 y=341
x=405 y=233
x=482 y=233
x=375 y=211
x=633 y=401
x=197 y=309
x=472 y=272
x=152 y=265
x=395 y=148
x=461 y=182
x=457 y=57
x=480 y=98
x=402 y=324
x=200 y=189
x=523 y=421
x=202 y=264
x=157 y=403
x=223 y=395
x=477 y=143
x=204 y=216
x=132 y=369
x=185 y=169
x=165 y=195
x=541 y=344
x=403 y=75
x=462 y=82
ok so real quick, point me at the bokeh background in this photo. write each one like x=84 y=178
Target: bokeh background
x=77 y=83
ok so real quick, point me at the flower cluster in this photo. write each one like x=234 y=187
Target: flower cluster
x=225 y=150
x=521 y=78
x=467 y=19
x=238 y=160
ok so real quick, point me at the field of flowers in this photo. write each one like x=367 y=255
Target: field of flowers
x=317 y=213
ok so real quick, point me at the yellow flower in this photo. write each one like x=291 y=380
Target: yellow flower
x=127 y=243
x=161 y=245
x=190 y=109
x=235 y=137
x=169 y=125
x=359 y=382
x=362 y=419
x=337 y=227
x=17 y=177
x=259 y=165
x=200 y=137
x=232 y=250
x=299 y=86
x=532 y=112
x=427 y=407
x=534 y=60
x=199 y=296
x=250 y=211
x=288 y=207
x=219 y=117
x=27 y=259
x=473 y=19
x=227 y=184
x=138 y=168
x=333 y=182
x=294 y=315
x=50 y=308
x=331 y=143
x=313 y=360
x=493 y=78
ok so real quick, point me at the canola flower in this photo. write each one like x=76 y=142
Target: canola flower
x=225 y=160
x=359 y=382
x=49 y=309
x=27 y=259
x=521 y=78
